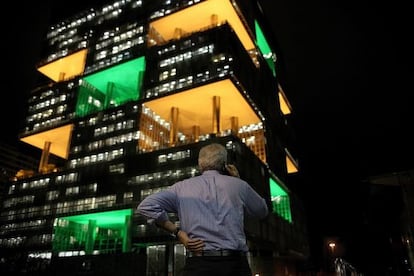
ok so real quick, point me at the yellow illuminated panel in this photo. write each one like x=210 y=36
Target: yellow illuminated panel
x=59 y=138
x=285 y=106
x=291 y=163
x=65 y=68
x=199 y=17
x=195 y=107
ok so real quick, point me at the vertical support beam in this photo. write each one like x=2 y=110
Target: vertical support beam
x=170 y=258
x=234 y=125
x=216 y=115
x=62 y=76
x=178 y=33
x=44 y=160
x=174 y=125
x=126 y=239
x=110 y=87
x=196 y=133
x=214 y=19
x=90 y=237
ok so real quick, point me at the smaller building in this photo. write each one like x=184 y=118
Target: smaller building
x=390 y=223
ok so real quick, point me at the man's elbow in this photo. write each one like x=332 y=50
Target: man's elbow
x=265 y=213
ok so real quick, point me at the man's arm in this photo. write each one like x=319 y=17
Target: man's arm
x=256 y=205
x=193 y=245
x=151 y=208
x=232 y=170
x=168 y=226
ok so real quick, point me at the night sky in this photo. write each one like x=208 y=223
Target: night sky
x=346 y=68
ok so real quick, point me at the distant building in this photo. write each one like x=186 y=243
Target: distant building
x=136 y=89
x=390 y=221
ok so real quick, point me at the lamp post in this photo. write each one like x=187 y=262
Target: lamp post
x=331 y=259
x=332 y=248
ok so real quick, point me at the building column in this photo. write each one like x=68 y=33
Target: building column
x=216 y=115
x=196 y=133
x=214 y=20
x=110 y=88
x=44 y=160
x=90 y=237
x=62 y=76
x=174 y=125
x=126 y=238
x=234 y=125
x=178 y=33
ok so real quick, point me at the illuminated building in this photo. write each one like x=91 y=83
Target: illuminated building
x=136 y=89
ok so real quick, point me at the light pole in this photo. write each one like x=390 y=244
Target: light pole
x=331 y=258
x=332 y=248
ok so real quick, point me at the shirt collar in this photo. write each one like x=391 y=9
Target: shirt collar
x=211 y=172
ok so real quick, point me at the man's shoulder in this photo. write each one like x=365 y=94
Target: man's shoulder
x=188 y=180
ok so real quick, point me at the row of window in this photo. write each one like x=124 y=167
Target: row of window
x=78 y=205
x=12 y=242
x=67 y=35
x=160 y=176
x=25 y=225
x=106 y=156
x=186 y=81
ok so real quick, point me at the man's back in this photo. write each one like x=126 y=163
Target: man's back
x=211 y=207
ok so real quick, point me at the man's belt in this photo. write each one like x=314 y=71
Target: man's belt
x=215 y=253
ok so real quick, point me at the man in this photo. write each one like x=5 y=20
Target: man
x=210 y=208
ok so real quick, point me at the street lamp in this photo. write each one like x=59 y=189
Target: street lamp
x=332 y=247
x=331 y=258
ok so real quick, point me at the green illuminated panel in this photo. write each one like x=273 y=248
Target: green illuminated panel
x=111 y=87
x=265 y=48
x=280 y=200
x=103 y=219
x=105 y=232
x=90 y=100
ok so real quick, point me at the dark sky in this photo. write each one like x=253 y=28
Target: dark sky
x=346 y=67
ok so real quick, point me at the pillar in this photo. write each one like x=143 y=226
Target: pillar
x=234 y=125
x=44 y=160
x=216 y=115
x=174 y=125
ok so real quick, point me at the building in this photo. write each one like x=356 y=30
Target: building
x=389 y=224
x=134 y=90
